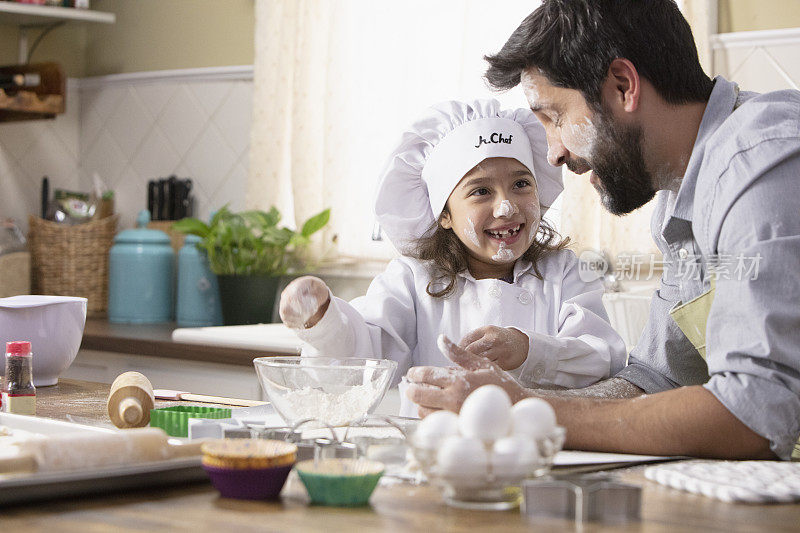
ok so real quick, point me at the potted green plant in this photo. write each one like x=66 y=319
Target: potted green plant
x=249 y=253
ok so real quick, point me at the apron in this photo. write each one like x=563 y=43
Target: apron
x=692 y=317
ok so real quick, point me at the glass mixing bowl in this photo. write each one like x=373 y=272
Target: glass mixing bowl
x=487 y=491
x=327 y=390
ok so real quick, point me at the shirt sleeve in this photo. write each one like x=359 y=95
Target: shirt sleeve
x=378 y=325
x=753 y=329
x=585 y=349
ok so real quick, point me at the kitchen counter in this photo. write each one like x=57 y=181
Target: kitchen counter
x=156 y=340
x=395 y=508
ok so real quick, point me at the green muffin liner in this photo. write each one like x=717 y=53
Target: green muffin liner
x=175 y=420
x=339 y=489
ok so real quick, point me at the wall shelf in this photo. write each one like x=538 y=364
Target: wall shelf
x=35 y=15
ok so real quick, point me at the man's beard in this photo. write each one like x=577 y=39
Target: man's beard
x=618 y=164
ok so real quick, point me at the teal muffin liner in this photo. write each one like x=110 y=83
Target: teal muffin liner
x=175 y=420
x=335 y=489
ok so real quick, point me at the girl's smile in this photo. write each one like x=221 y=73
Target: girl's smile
x=508 y=234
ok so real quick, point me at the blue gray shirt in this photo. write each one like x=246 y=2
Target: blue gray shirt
x=734 y=219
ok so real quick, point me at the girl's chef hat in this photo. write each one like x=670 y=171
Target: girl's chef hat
x=441 y=147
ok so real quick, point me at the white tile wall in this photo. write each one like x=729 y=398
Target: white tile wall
x=133 y=128
x=760 y=61
x=146 y=128
x=32 y=149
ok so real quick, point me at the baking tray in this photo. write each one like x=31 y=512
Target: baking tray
x=24 y=488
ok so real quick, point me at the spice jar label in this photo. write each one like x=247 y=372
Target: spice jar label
x=24 y=404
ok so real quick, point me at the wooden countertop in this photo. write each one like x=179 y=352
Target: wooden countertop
x=156 y=340
x=396 y=508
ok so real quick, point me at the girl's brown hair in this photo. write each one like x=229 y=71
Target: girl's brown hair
x=448 y=255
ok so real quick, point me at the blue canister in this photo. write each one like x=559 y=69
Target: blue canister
x=141 y=275
x=198 y=291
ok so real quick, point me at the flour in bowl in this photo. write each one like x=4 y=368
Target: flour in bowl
x=335 y=409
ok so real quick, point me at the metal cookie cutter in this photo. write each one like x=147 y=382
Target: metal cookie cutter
x=582 y=498
x=315 y=448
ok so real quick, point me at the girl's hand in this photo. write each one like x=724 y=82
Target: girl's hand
x=304 y=302
x=508 y=347
x=436 y=388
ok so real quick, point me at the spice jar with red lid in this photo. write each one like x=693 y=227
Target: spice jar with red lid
x=19 y=394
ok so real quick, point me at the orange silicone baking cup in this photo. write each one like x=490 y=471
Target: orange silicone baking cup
x=248 y=453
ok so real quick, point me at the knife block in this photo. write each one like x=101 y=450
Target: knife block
x=175 y=237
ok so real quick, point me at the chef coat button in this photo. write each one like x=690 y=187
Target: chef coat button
x=682 y=253
x=495 y=291
x=525 y=297
x=538 y=371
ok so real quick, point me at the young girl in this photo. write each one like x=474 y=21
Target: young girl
x=462 y=198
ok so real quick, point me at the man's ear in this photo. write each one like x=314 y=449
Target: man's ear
x=444 y=220
x=622 y=87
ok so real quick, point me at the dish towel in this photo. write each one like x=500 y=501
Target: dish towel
x=732 y=481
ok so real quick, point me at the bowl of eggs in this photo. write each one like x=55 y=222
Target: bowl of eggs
x=480 y=456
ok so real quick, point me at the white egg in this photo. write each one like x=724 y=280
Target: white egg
x=486 y=414
x=434 y=428
x=513 y=455
x=462 y=456
x=533 y=417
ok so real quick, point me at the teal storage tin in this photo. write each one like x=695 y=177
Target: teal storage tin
x=198 y=291
x=141 y=275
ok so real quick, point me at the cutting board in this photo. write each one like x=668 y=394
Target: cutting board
x=262 y=337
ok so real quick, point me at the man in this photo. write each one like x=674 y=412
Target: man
x=621 y=94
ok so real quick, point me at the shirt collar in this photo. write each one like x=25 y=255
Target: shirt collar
x=520 y=267
x=720 y=105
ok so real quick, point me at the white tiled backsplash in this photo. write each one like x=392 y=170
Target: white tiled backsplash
x=133 y=128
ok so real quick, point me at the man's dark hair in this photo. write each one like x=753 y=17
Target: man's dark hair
x=574 y=41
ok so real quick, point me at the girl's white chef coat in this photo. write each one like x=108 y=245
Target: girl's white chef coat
x=571 y=343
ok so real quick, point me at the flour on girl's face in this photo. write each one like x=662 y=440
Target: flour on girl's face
x=534 y=214
x=470 y=233
x=505 y=209
x=504 y=254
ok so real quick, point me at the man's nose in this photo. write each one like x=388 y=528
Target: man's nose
x=557 y=153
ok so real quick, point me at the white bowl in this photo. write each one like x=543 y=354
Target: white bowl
x=52 y=324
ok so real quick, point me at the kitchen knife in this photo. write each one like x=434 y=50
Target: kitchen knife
x=151 y=199
x=45 y=196
x=178 y=193
x=161 y=190
x=172 y=185
x=188 y=202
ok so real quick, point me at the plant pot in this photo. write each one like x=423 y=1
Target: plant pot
x=247 y=299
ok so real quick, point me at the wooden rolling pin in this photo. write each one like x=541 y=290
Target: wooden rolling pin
x=130 y=400
x=82 y=451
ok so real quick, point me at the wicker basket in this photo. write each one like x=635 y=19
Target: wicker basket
x=72 y=260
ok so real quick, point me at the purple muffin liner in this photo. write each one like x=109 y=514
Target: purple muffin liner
x=249 y=484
